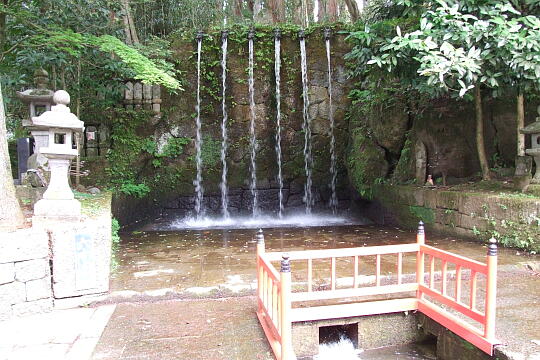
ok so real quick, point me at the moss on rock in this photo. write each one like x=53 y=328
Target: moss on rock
x=366 y=162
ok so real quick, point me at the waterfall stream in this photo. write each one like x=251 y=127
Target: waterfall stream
x=199 y=190
x=223 y=185
x=253 y=138
x=333 y=172
x=306 y=127
x=277 y=69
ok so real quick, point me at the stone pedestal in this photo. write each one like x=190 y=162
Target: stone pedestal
x=58 y=200
x=535 y=153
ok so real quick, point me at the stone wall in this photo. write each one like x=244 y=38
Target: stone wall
x=25 y=277
x=513 y=219
x=54 y=260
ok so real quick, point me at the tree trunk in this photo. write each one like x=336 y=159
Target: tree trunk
x=332 y=10
x=3 y=26
x=520 y=124
x=11 y=215
x=353 y=9
x=276 y=10
x=321 y=16
x=129 y=25
x=238 y=5
x=480 y=147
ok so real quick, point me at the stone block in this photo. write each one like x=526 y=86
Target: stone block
x=7 y=273
x=473 y=204
x=448 y=200
x=449 y=344
x=408 y=195
x=305 y=339
x=448 y=217
x=430 y=198
x=513 y=209
x=23 y=244
x=5 y=310
x=471 y=222
x=31 y=269
x=386 y=330
x=32 y=307
x=38 y=289
x=81 y=262
x=12 y=293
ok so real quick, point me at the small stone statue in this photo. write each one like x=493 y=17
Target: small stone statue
x=429 y=181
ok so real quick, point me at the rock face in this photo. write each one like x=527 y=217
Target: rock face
x=181 y=124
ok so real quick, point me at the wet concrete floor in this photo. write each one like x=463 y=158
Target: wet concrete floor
x=205 y=267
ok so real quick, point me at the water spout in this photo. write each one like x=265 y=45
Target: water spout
x=333 y=170
x=306 y=126
x=253 y=138
x=277 y=69
x=223 y=185
x=199 y=190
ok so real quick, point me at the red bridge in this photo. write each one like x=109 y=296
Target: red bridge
x=281 y=302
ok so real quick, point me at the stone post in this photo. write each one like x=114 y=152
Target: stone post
x=137 y=95
x=128 y=96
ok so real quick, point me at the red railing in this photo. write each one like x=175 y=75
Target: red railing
x=275 y=297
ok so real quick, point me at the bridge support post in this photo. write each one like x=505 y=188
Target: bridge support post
x=285 y=321
x=420 y=240
x=491 y=290
x=260 y=251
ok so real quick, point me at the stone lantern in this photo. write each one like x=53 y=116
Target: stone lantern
x=58 y=200
x=534 y=130
x=38 y=100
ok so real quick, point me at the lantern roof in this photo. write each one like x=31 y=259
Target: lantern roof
x=533 y=128
x=60 y=116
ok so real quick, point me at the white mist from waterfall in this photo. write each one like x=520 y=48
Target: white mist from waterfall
x=253 y=138
x=199 y=190
x=333 y=170
x=343 y=350
x=223 y=185
x=277 y=68
x=306 y=127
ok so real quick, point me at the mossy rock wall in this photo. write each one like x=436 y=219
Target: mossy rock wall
x=445 y=126
x=179 y=119
x=514 y=220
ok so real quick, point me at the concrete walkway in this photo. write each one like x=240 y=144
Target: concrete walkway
x=68 y=334
x=205 y=329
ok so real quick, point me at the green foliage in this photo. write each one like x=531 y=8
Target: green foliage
x=132 y=152
x=135 y=190
x=144 y=69
x=423 y=213
x=210 y=151
x=115 y=244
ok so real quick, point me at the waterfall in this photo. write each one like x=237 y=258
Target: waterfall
x=277 y=66
x=253 y=138
x=306 y=127
x=333 y=172
x=198 y=140
x=223 y=185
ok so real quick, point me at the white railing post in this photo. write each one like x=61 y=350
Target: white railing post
x=286 y=325
x=491 y=290
x=420 y=240
x=260 y=270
